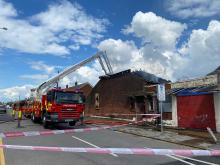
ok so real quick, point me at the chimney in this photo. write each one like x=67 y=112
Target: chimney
x=66 y=86
x=76 y=83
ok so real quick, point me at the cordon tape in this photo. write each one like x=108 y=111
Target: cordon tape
x=55 y=132
x=129 y=114
x=124 y=151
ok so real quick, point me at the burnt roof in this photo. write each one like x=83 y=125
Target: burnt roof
x=151 y=78
x=119 y=74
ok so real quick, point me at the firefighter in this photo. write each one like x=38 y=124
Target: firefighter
x=19 y=118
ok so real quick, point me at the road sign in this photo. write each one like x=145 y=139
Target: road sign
x=161 y=96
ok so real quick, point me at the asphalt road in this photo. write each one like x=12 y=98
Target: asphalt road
x=5 y=118
x=104 y=138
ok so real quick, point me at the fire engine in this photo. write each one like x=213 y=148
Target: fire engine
x=50 y=104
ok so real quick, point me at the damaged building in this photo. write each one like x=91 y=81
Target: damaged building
x=123 y=93
x=151 y=92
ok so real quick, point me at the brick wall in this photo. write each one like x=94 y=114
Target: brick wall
x=114 y=94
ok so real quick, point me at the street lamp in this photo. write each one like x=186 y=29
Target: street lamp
x=4 y=28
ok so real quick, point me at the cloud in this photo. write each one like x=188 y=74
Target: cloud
x=45 y=71
x=74 y=24
x=159 y=37
x=194 y=58
x=63 y=27
x=84 y=74
x=117 y=51
x=13 y=93
x=7 y=9
x=193 y=8
x=201 y=52
x=89 y=73
x=158 y=31
x=37 y=77
x=126 y=55
x=41 y=66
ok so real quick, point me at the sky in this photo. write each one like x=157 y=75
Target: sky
x=175 y=40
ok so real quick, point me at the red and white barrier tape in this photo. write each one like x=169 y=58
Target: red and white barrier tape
x=123 y=119
x=125 y=151
x=55 y=132
x=118 y=114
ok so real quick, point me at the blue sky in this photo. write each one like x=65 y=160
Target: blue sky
x=173 y=39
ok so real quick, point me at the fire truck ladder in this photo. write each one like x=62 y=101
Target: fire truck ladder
x=102 y=58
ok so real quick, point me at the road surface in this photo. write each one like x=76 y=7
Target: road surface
x=103 y=138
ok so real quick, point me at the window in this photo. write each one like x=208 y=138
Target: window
x=97 y=100
x=69 y=98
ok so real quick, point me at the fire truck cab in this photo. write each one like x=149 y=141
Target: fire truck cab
x=60 y=106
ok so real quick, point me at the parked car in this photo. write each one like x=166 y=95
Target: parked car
x=2 y=109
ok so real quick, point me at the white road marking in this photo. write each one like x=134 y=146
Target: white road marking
x=176 y=158
x=171 y=156
x=93 y=145
x=196 y=160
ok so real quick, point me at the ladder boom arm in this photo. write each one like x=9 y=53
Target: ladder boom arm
x=55 y=79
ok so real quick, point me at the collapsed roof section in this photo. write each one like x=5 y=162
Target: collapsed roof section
x=148 y=77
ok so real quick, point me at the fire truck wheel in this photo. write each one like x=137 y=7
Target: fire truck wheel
x=45 y=122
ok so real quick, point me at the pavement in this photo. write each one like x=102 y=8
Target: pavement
x=169 y=136
x=193 y=138
x=102 y=138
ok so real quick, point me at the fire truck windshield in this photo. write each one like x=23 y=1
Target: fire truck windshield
x=68 y=97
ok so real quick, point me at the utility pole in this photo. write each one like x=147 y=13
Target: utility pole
x=161 y=116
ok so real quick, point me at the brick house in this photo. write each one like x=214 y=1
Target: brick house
x=123 y=92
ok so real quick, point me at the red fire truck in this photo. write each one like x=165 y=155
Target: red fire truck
x=59 y=106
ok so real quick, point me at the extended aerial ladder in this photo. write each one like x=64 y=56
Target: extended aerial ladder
x=44 y=87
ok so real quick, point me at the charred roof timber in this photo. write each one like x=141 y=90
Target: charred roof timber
x=151 y=78
x=119 y=74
